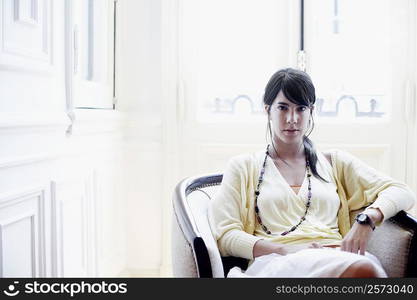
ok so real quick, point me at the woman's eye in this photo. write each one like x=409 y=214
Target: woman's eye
x=283 y=107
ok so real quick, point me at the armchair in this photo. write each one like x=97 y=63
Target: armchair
x=195 y=252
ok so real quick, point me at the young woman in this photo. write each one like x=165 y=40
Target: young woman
x=286 y=208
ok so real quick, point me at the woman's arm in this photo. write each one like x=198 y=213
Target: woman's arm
x=366 y=187
x=227 y=213
x=263 y=247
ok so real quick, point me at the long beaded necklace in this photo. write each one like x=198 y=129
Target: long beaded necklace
x=257 y=194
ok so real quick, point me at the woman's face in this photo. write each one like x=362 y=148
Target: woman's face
x=289 y=121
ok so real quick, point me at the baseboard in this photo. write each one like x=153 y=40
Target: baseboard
x=166 y=270
x=142 y=273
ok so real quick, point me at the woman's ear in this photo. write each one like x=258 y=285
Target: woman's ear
x=267 y=108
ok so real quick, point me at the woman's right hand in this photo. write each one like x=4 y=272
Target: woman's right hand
x=263 y=247
x=288 y=249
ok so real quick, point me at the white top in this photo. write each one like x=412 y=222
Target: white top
x=280 y=207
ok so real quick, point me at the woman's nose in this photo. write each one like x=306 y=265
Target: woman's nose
x=292 y=117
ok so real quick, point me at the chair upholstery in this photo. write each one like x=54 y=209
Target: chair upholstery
x=195 y=252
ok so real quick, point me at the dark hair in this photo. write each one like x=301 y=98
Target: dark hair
x=298 y=88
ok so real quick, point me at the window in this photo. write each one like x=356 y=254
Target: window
x=93 y=53
x=348 y=44
x=229 y=50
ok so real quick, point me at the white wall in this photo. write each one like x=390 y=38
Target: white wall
x=62 y=188
x=140 y=97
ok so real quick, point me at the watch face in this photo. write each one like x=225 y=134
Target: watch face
x=362 y=218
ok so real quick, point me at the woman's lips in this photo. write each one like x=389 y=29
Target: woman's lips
x=291 y=131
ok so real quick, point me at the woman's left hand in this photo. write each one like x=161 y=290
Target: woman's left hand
x=357 y=239
x=358 y=236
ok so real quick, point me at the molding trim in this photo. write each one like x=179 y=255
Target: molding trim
x=30 y=159
x=29 y=17
x=82 y=190
x=33 y=240
x=37 y=219
x=39 y=19
x=96 y=121
x=25 y=120
x=16 y=161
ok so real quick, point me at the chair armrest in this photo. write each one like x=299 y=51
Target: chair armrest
x=409 y=223
x=394 y=243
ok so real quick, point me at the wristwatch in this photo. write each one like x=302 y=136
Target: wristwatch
x=365 y=219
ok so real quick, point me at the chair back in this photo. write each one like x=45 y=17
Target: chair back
x=195 y=252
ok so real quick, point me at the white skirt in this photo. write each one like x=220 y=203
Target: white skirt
x=322 y=262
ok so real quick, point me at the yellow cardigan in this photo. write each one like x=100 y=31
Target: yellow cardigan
x=232 y=216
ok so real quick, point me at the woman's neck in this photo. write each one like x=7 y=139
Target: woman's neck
x=287 y=151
